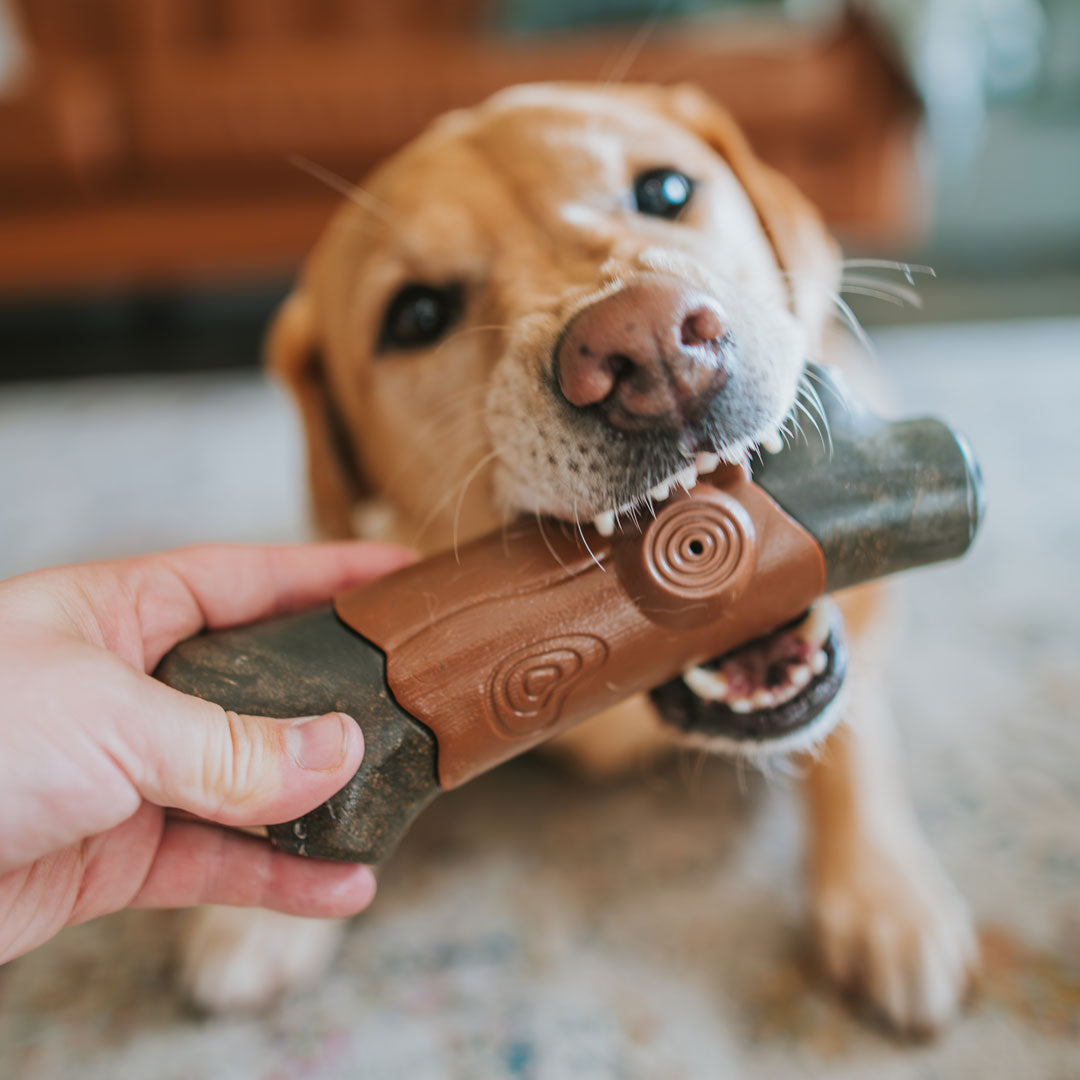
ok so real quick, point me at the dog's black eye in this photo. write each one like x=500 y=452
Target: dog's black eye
x=419 y=315
x=662 y=192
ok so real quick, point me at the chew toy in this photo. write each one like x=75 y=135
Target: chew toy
x=464 y=660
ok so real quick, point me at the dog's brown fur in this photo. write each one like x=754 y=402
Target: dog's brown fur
x=523 y=199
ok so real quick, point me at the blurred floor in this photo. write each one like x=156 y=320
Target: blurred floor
x=531 y=927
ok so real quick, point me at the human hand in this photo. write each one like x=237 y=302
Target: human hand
x=93 y=748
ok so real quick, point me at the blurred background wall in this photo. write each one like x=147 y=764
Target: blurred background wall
x=152 y=209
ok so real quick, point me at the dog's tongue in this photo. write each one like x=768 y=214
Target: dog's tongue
x=772 y=693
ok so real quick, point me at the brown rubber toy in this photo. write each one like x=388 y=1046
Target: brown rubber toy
x=518 y=637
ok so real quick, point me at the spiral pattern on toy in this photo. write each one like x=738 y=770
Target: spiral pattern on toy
x=528 y=688
x=695 y=547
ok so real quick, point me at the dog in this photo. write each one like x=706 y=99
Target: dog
x=562 y=302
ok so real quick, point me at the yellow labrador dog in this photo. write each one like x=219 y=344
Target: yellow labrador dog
x=563 y=302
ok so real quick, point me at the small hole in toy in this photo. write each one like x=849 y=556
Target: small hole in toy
x=696 y=547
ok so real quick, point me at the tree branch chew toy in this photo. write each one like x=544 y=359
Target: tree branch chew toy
x=457 y=663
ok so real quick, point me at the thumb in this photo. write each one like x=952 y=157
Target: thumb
x=183 y=752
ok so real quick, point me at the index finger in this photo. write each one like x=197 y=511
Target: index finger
x=178 y=593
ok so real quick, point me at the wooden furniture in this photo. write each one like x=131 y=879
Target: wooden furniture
x=150 y=142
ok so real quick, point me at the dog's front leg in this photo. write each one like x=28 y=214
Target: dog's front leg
x=890 y=925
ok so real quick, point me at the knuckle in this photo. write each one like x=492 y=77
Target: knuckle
x=234 y=767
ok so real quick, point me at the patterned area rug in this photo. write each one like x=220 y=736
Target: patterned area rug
x=532 y=927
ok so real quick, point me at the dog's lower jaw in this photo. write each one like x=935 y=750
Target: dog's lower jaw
x=767 y=753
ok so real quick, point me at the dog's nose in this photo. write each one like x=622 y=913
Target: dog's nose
x=651 y=355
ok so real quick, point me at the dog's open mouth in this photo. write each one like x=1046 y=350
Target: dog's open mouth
x=774 y=692
x=771 y=695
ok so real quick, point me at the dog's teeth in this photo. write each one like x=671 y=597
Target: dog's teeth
x=604 y=522
x=819 y=662
x=741 y=705
x=814 y=629
x=800 y=676
x=772 y=442
x=706 y=462
x=661 y=491
x=710 y=685
x=763 y=699
x=686 y=478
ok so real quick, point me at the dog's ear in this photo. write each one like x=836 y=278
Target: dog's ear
x=294 y=354
x=804 y=248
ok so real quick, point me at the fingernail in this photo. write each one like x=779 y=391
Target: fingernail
x=319 y=742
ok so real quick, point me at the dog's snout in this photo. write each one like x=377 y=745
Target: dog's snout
x=702 y=325
x=649 y=355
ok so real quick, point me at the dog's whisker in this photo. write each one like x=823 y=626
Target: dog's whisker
x=473 y=473
x=799 y=433
x=506 y=516
x=700 y=756
x=881 y=290
x=621 y=68
x=353 y=192
x=881 y=281
x=452 y=400
x=763 y=764
x=741 y=782
x=788 y=437
x=466 y=330
x=854 y=325
x=815 y=401
x=581 y=533
x=447 y=496
x=805 y=388
x=909 y=270
x=453 y=414
x=451 y=419
x=547 y=542
x=825 y=445
x=877 y=294
x=843 y=399
x=460 y=404
x=444 y=429
x=775 y=769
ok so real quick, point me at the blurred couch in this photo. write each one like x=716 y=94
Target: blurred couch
x=147 y=142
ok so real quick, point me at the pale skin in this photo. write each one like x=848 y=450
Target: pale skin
x=94 y=748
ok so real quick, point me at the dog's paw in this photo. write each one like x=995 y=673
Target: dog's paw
x=234 y=959
x=892 y=929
